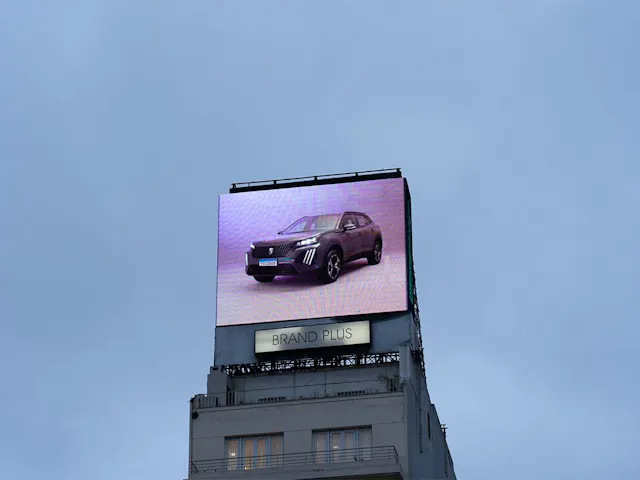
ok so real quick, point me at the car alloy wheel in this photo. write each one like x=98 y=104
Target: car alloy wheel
x=377 y=252
x=333 y=266
x=375 y=256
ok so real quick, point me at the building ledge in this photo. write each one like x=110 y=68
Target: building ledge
x=381 y=461
x=279 y=395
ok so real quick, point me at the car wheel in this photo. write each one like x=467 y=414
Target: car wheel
x=375 y=256
x=265 y=278
x=332 y=267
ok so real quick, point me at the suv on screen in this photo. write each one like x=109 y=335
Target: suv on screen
x=321 y=244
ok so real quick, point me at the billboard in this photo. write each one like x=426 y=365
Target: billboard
x=312 y=252
x=313 y=336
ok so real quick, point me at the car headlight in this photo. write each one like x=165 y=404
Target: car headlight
x=308 y=241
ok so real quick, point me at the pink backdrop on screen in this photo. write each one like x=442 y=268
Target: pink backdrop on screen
x=247 y=217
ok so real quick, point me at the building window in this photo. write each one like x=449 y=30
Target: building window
x=429 y=425
x=342 y=445
x=247 y=453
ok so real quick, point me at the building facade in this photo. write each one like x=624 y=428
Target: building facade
x=314 y=405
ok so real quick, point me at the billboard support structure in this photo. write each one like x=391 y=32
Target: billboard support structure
x=310 y=363
x=315 y=180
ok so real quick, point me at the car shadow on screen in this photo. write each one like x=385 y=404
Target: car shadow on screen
x=305 y=282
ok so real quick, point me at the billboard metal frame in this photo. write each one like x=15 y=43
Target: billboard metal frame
x=238 y=187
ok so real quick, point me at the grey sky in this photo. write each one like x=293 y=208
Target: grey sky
x=515 y=123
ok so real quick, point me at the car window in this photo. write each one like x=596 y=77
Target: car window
x=299 y=226
x=362 y=220
x=348 y=219
x=318 y=223
x=323 y=222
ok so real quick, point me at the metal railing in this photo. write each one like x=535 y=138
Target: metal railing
x=299 y=392
x=314 y=177
x=315 y=180
x=295 y=459
x=312 y=363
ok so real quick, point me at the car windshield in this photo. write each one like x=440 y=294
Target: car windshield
x=317 y=223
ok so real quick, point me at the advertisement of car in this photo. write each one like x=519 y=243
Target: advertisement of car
x=311 y=252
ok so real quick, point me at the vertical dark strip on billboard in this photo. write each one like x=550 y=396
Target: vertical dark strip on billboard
x=409 y=234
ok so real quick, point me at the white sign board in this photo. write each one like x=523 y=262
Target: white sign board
x=313 y=336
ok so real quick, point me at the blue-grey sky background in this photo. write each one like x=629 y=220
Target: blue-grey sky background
x=515 y=122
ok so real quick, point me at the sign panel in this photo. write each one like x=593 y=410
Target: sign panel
x=313 y=336
x=312 y=252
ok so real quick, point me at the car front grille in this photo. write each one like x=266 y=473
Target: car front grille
x=278 y=251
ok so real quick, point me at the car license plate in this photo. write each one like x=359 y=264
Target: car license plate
x=268 y=262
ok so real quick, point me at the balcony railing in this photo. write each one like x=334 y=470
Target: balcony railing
x=388 y=453
x=300 y=392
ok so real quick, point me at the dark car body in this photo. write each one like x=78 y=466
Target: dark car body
x=312 y=243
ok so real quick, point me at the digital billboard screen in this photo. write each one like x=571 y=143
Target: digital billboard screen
x=311 y=252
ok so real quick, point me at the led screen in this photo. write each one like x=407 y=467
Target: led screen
x=311 y=252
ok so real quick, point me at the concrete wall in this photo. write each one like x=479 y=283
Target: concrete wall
x=396 y=418
x=329 y=382
x=384 y=412
x=426 y=451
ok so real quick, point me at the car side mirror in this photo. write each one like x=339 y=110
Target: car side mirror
x=349 y=226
